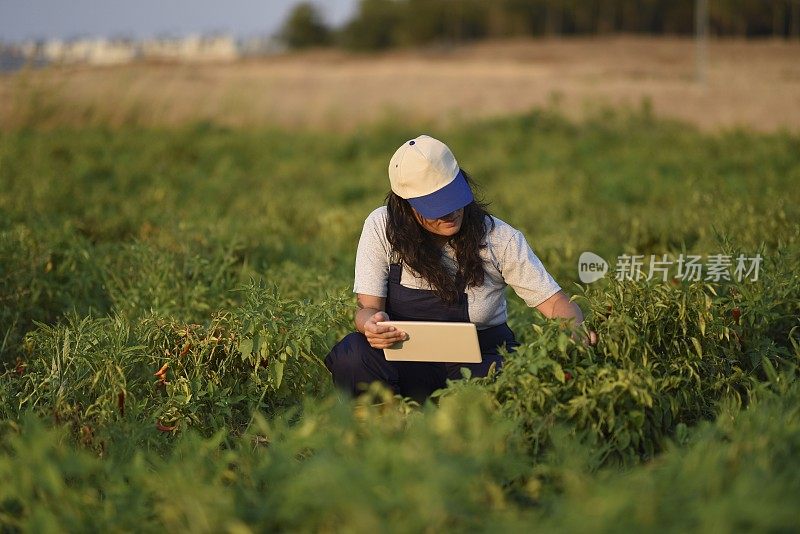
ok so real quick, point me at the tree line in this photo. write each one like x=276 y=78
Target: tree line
x=381 y=24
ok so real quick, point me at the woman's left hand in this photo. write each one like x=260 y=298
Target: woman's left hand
x=588 y=338
x=560 y=305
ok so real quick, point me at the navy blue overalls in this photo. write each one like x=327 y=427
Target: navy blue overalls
x=354 y=363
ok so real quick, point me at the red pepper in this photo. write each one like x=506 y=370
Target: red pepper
x=165 y=428
x=162 y=373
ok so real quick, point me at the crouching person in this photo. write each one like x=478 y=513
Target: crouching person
x=434 y=253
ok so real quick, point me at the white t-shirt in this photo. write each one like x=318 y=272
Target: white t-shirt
x=508 y=260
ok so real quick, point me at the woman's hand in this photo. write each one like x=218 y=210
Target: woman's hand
x=381 y=337
x=370 y=313
x=560 y=305
x=589 y=338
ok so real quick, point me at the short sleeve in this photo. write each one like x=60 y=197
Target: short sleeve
x=524 y=272
x=372 y=258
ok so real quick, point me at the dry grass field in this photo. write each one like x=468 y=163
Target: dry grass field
x=750 y=84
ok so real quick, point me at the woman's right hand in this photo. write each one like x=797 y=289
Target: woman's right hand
x=381 y=337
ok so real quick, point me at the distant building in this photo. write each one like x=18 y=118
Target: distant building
x=101 y=51
x=191 y=48
x=89 y=51
x=261 y=46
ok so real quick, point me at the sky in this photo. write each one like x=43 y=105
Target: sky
x=65 y=19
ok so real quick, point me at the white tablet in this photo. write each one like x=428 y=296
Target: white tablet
x=435 y=342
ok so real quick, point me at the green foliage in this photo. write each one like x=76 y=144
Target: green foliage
x=167 y=298
x=373 y=27
x=42 y=276
x=667 y=356
x=736 y=473
x=95 y=371
x=76 y=370
x=286 y=336
x=379 y=24
x=140 y=279
x=381 y=464
x=304 y=27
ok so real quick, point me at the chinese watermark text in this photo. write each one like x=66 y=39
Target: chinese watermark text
x=686 y=267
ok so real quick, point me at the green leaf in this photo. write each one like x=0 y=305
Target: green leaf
x=246 y=347
x=623 y=439
x=256 y=343
x=682 y=433
x=563 y=341
x=697 y=347
x=769 y=369
x=559 y=373
x=276 y=372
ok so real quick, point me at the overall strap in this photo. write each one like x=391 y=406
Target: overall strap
x=395 y=271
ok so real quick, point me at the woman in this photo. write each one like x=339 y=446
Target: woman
x=434 y=253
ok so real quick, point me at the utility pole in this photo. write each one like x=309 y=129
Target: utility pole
x=701 y=41
x=794 y=19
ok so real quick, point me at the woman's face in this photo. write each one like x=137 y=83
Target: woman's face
x=445 y=226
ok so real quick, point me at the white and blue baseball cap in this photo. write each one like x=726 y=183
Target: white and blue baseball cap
x=425 y=172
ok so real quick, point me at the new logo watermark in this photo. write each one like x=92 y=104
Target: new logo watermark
x=591 y=267
x=689 y=267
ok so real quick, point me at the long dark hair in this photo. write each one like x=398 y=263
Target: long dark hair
x=417 y=248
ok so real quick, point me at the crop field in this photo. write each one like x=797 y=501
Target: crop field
x=167 y=295
x=752 y=84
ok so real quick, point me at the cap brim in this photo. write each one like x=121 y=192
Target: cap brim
x=448 y=199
